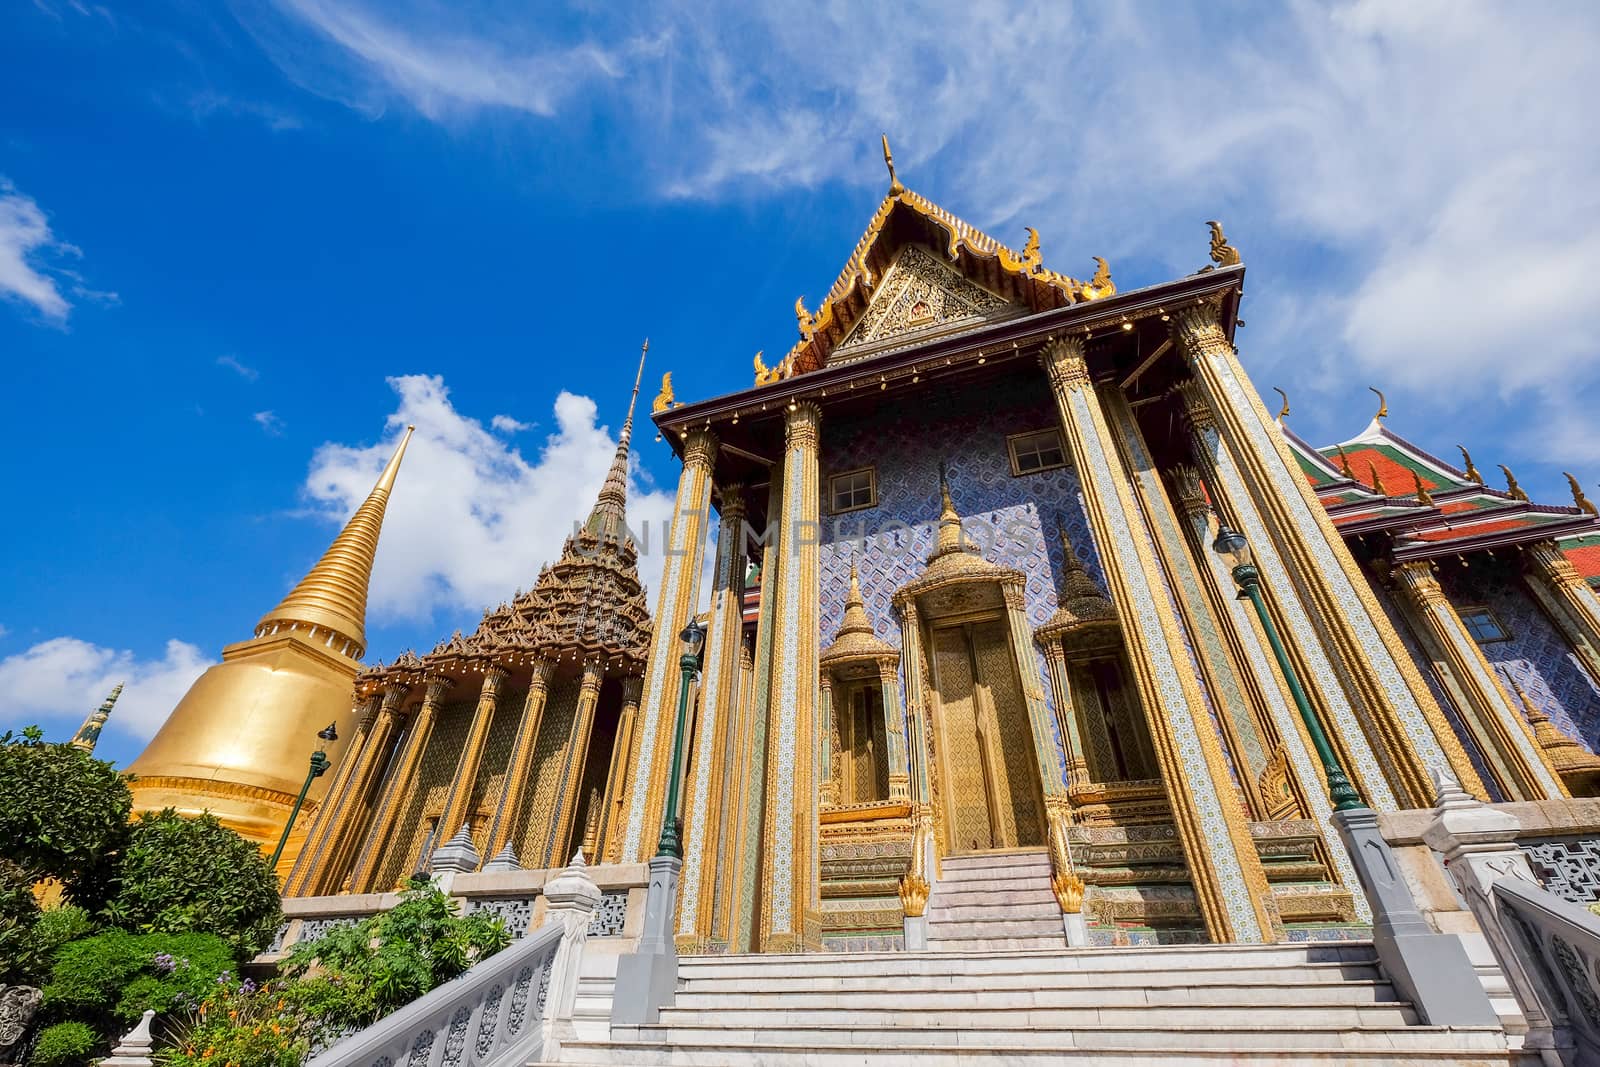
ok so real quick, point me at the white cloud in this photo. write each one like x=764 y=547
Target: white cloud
x=1416 y=185
x=249 y=374
x=25 y=237
x=507 y=424
x=57 y=682
x=471 y=520
x=269 y=423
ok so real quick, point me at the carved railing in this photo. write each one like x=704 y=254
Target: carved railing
x=488 y=1017
x=1558 y=946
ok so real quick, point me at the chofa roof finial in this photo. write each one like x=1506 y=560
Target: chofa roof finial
x=888 y=159
x=1383 y=405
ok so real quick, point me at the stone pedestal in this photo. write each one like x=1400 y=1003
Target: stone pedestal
x=647 y=979
x=1429 y=969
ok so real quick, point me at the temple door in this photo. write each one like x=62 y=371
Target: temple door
x=991 y=793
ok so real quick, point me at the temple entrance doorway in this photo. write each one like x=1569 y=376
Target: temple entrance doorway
x=992 y=798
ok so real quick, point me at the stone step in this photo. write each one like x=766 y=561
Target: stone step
x=890 y=1021
x=957 y=913
x=996 y=926
x=996 y=944
x=998 y=875
x=1314 y=976
x=1446 y=1050
x=765 y=1040
x=1158 y=958
x=1178 y=993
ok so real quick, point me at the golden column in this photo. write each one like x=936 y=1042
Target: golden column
x=399 y=787
x=573 y=756
x=508 y=812
x=735 y=792
x=237 y=742
x=1291 y=733
x=1569 y=600
x=647 y=784
x=1374 y=665
x=308 y=869
x=1312 y=661
x=791 y=919
x=459 y=803
x=368 y=772
x=894 y=728
x=1221 y=856
x=719 y=704
x=611 y=813
x=1055 y=660
x=1511 y=748
x=828 y=768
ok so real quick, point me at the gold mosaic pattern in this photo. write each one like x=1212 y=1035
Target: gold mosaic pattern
x=428 y=795
x=532 y=837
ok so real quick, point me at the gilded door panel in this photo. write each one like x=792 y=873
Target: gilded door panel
x=959 y=746
x=1014 y=779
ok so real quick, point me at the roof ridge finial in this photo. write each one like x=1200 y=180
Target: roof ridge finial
x=89 y=732
x=1512 y=488
x=1471 y=471
x=1344 y=464
x=1422 y=492
x=333 y=594
x=1580 y=501
x=1377 y=482
x=1383 y=405
x=609 y=515
x=895 y=188
x=1074 y=561
x=950 y=537
x=1283 y=412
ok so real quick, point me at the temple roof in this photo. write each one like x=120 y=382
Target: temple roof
x=1380 y=481
x=856 y=638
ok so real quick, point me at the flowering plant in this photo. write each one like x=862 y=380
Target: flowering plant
x=239 y=1024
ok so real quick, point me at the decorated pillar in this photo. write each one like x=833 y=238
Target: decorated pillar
x=1256 y=655
x=308 y=868
x=459 y=802
x=1411 y=729
x=790 y=912
x=508 y=812
x=911 y=668
x=894 y=729
x=358 y=790
x=744 y=921
x=675 y=607
x=1046 y=760
x=574 y=754
x=828 y=765
x=398 y=788
x=612 y=813
x=1055 y=661
x=1568 y=599
x=1211 y=827
x=1312 y=661
x=719 y=705
x=1510 y=746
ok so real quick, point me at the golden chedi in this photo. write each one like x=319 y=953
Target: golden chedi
x=238 y=742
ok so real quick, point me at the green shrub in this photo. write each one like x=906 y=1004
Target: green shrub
x=354 y=975
x=65 y=814
x=180 y=875
x=19 y=911
x=110 y=979
x=238 y=1025
x=64 y=1045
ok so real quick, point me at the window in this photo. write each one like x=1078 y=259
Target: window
x=1483 y=626
x=1034 y=452
x=853 y=490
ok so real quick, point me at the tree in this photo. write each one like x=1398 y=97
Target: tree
x=180 y=875
x=63 y=814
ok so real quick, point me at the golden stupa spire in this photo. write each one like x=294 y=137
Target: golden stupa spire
x=89 y=732
x=610 y=509
x=334 y=594
x=950 y=536
x=855 y=608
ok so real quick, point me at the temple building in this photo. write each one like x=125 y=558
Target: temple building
x=964 y=620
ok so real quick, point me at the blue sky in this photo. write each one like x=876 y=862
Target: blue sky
x=241 y=244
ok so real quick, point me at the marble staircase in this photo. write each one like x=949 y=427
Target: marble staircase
x=993 y=901
x=1207 y=1006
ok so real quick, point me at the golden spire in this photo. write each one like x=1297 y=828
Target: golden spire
x=89 y=732
x=950 y=536
x=1383 y=405
x=1422 y=493
x=1472 y=472
x=856 y=620
x=1574 y=763
x=611 y=507
x=1377 y=482
x=895 y=188
x=1581 y=502
x=334 y=594
x=1511 y=484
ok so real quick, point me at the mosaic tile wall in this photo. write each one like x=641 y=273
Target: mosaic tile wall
x=1012 y=519
x=1537 y=655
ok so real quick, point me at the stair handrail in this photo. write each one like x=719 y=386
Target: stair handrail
x=505 y=1011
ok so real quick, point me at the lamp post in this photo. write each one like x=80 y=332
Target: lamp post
x=1232 y=547
x=647 y=979
x=693 y=639
x=319 y=766
x=1428 y=968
